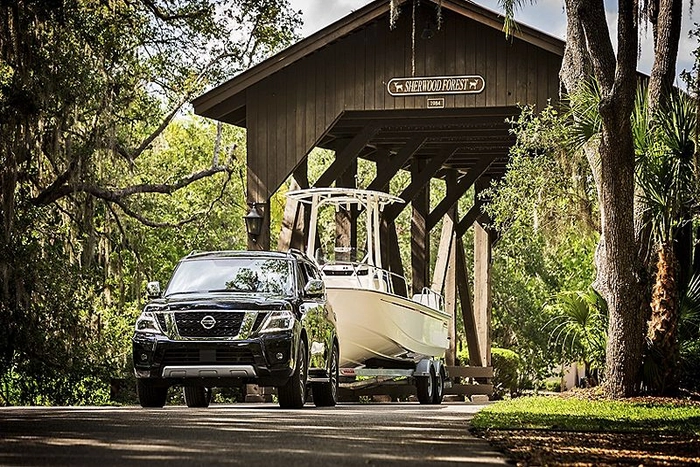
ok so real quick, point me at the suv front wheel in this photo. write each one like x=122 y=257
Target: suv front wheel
x=151 y=395
x=293 y=394
x=197 y=396
x=326 y=394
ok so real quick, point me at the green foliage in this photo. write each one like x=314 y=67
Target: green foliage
x=506 y=371
x=572 y=414
x=689 y=336
x=666 y=167
x=579 y=328
x=88 y=91
x=545 y=208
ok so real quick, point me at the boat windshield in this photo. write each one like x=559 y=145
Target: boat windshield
x=233 y=275
x=338 y=254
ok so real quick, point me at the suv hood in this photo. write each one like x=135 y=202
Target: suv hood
x=220 y=301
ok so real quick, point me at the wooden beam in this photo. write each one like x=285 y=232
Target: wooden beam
x=443 y=255
x=420 y=233
x=346 y=220
x=465 y=299
x=469 y=218
x=387 y=171
x=449 y=271
x=462 y=186
x=451 y=306
x=345 y=157
x=412 y=190
x=293 y=230
x=391 y=256
x=482 y=282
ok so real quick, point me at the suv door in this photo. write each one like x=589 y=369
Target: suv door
x=318 y=318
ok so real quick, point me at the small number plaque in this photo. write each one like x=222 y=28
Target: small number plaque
x=436 y=103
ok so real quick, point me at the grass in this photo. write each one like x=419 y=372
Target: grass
x=574 y=414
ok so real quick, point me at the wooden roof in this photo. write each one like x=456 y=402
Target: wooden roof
x=210 y=103
x=331 y=90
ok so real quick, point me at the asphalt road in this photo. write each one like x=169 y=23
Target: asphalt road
x=243 y=434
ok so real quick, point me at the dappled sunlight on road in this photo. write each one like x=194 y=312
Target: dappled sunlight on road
x=354 y=434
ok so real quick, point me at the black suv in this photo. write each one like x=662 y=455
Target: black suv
x=231 y=318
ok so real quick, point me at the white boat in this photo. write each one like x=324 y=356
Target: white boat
x=376 y=326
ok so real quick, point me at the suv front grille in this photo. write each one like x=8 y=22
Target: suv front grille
x=228 y=323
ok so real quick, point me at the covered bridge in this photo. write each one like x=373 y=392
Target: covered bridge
x=429 y=95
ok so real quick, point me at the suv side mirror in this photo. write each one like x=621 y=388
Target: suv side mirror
x=153 y=289
x=315 y=288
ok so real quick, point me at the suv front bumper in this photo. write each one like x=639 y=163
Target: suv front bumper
x=267 y=360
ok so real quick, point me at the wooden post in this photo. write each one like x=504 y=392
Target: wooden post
x=451 y=305
x=293 y=231
x=262 y=241
x=420 y=235
x=465 y=300
x=444 y=272
x=346 y=220
x=482 y=283
x=257 y=193
x=391 y=255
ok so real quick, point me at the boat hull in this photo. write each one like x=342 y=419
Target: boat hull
x=378 y=325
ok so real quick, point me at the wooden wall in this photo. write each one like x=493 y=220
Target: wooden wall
x=289 y=112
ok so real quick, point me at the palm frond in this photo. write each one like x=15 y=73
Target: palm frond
x=585 y=115
x=509 y=8
x=689 y=309
x=677 y=120
x=641 y=126
x=666 y=169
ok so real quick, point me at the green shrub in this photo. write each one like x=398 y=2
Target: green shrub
x=506 y=371
x=690 y=366
x=552 y=385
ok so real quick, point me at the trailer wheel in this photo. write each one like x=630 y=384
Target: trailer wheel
x=425 y=387
x=439 y=385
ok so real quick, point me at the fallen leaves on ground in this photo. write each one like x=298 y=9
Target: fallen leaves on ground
x=545 y=447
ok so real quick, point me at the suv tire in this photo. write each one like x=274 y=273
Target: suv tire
x=151 y=395
x=197 y=396
x=326 y=394
x=293 y=394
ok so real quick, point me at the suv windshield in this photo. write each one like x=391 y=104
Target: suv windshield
x=268 y=276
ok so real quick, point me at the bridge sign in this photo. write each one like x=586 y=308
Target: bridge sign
x=430 y=85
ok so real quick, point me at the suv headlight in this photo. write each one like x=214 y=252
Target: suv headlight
x=147 y=323
x=278 y=321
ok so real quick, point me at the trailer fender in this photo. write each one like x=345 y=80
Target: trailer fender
x=423 y=367
x=439 y=368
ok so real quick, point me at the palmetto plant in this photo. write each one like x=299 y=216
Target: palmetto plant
x=579 y=328
x=666 y=175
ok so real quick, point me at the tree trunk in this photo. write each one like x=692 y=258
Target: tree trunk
x=662 y=332
x=618 y=279
x=666 y=22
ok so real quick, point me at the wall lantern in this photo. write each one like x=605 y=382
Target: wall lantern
x=253 y=221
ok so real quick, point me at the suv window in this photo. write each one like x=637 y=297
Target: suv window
x=269 y=276
x=311 y=272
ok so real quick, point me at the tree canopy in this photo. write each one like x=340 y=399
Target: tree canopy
x=93 y=148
